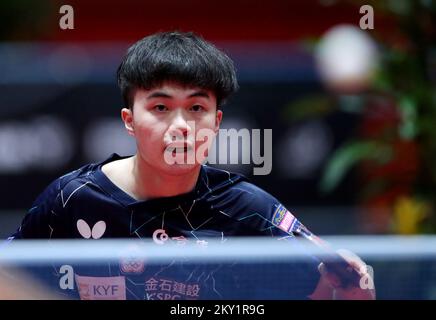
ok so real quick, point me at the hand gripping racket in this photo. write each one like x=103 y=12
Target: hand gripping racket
x=333 y=261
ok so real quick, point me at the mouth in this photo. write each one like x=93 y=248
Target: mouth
x=179 y=148
x=175 y=150
x=181 y=153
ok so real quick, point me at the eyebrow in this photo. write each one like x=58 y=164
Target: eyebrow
x=161 y=94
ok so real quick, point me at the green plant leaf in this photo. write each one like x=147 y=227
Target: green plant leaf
x=349 y=155
x=408 y=127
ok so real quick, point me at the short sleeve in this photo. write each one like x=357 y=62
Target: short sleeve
x=40 y=219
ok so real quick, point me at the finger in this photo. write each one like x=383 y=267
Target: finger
x=360 y=266
x=332 y=279
x=354 y=260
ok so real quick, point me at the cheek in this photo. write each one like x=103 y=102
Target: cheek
x=205 y=129
x=207 y=122
x=149 y=132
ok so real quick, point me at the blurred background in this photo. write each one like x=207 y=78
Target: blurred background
x=348 y=91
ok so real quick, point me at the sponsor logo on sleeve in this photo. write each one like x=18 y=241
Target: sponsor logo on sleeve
x=283 y=219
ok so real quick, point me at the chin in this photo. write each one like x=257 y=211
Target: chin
x=180 y=164
x=180 y=169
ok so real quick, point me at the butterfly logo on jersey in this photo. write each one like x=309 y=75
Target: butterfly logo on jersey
x=85 y=231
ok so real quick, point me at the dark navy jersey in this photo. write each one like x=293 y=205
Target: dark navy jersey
x=86 y=204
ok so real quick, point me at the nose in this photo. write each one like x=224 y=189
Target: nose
x=179 y=128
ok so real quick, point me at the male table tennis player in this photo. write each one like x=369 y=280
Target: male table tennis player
x=173 y=86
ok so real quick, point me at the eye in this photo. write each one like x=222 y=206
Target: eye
x=196 y=108
x=160 y=108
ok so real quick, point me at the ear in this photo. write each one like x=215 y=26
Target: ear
x=218 y=118
x=127 y=117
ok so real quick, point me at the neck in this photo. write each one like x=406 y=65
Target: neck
x=150 y=183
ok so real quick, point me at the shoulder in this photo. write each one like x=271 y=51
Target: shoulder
x=251 y=207
x=77 y=182
x=66 y=184
x=222 y=182
x=47 y=217
x=256 y=200
x=219 y=178
x=235 y=195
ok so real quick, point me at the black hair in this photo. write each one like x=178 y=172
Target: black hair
x=176 y=56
